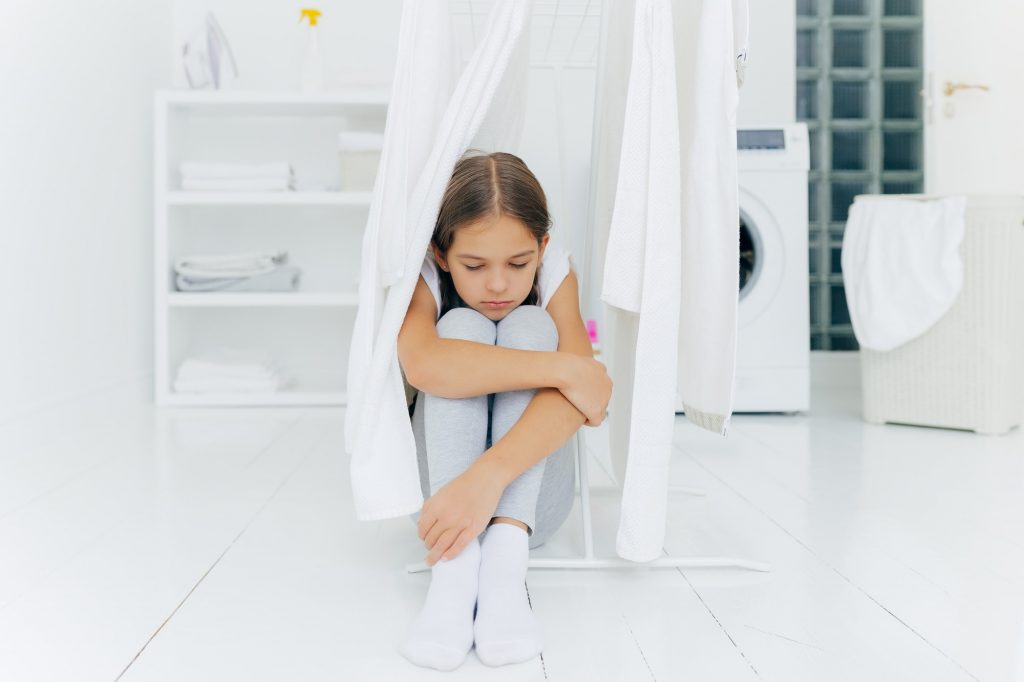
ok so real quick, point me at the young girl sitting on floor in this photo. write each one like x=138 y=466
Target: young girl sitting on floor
x=501 y=372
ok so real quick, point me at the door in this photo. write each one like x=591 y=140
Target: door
x=973 y=141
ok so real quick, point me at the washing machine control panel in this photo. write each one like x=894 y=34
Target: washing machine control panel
x=773 y=148
x=761 y=139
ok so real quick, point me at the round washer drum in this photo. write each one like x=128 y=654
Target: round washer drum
x=762 y=258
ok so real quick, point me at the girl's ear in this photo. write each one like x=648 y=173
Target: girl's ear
x=543 y=245
x=438 y=259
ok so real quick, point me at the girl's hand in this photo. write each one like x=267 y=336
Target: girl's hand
x=588 y=387
x=459 y=512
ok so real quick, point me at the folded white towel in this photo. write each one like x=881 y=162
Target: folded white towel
x=901 y=265
x=196 y=369
x=282 y=184
x=230 y=171
x=244 y=264
x=219 y=385
x=230 y=369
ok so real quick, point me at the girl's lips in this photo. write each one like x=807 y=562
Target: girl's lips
x=500 y=304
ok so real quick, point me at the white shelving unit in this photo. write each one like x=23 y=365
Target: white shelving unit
x=320 y=225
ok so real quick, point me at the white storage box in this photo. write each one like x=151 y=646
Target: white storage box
x=967 y=371
x=359 y=155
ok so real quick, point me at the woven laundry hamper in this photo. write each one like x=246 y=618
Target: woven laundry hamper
x=967 y=370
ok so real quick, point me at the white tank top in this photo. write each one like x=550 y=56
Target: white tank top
x=554 y=267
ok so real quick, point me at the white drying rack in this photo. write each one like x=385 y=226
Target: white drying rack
x=588 y=560
x=570 y=8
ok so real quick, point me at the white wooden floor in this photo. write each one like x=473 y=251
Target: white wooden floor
x=140 y=544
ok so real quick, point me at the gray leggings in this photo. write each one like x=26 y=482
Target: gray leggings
x=452 y=433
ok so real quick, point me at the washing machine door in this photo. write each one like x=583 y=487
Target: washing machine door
x=762 y=257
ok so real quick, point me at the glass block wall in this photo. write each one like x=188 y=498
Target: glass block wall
x=859 y=75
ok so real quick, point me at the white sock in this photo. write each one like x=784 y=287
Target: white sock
x=506 y=629
x=442 y=634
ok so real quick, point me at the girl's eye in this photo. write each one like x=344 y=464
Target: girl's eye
x=515 y=265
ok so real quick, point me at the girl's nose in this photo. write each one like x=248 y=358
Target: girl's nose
x=496 y=284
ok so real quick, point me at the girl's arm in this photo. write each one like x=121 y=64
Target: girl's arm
x=456 y=368
x=462 y=508
x=550 y=419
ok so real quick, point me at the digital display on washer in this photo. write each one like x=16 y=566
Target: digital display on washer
x=760 y=139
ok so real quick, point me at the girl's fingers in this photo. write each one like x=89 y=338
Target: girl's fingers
x=443 y=543
x=424 y=526
x=460 y=544
x=432 y=537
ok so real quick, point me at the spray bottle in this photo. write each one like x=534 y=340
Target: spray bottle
x=592 y=333
x=312 y=67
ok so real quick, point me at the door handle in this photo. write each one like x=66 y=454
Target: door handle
x=950 y=88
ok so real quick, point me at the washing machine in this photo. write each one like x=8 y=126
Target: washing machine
x=773 y=336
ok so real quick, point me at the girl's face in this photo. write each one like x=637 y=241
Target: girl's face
x=493 y=260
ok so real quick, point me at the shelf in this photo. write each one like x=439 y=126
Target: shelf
x=186 y=299
x=178 y=198
x=285 y=397
x=308 y=330
x=275 y=102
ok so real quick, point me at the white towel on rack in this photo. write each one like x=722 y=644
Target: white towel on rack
x=378 y=432
x=641 y=273
x=670 y=271
x=902 y=269
x=243 y=264
x=211 y=170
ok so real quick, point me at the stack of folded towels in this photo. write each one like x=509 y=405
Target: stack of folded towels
x=248 y=271
x=230 y=370
x=237 y=177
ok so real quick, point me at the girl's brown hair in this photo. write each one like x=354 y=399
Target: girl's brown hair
x=488 y=185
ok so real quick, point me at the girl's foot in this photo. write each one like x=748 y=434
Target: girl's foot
x=506 y=629
x=442 y=634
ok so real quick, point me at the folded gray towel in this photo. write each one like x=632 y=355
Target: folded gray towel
x=283 y=278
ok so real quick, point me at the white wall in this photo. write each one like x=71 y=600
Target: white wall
x=76 y=136
x=75 y=207
x=768 y=95
x=359 y=39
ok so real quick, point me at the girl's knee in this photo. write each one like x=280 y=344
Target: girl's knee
x=467 y=324
x=528 y=327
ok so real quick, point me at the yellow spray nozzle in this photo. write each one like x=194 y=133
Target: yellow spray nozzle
x=311 y=14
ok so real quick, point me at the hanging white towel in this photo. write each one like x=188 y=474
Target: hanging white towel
x=378 y=432
x=709 y=304
x=670 y=275
x=641 y=272
x=426 y=71
x=901 y=265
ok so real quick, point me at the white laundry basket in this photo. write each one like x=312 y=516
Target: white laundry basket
x=967 y=371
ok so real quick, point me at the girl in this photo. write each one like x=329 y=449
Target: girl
x=495 y=345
